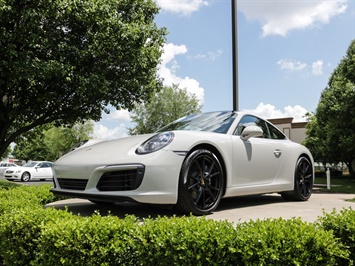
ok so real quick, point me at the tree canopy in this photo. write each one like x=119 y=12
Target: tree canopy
x=67 y=60
x=165 y=106
x=48 y=142
x=331 y=131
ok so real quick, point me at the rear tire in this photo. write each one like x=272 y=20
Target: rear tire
x=303 y=181
x=201 y=183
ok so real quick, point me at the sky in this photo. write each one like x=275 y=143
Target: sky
x=287 y=50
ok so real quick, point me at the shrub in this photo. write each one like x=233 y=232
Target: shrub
x=88 y=241
x=33 y=235
x=4 y=184
x=186 y=241
x=342 y=224
x=287 y=242
x=20 y=230
x=22 y=196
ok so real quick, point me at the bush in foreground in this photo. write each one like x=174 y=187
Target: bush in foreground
x=33 y=235
x=342 y=224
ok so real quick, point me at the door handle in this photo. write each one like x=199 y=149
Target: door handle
x=277 y=153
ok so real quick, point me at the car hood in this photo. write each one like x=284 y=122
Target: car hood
x=19 y=168
x=108 y=150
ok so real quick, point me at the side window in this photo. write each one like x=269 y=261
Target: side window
x=249 y=120
x=275 y=133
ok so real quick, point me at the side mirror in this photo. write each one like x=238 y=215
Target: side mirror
x=251 y=131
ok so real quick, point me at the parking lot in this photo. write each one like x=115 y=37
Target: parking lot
x=237 y=209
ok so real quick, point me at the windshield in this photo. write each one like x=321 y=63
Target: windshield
x=29 y=164
x=218 y=122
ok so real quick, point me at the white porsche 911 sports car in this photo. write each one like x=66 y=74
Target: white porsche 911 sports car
x=192 y=163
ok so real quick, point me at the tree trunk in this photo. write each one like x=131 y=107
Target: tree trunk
x=352 y=168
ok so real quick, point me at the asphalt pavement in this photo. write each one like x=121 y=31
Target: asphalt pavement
x=237 y=209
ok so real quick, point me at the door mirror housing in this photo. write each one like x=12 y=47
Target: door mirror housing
x=251 y=131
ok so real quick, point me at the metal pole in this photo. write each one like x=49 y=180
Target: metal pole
x=235 y=55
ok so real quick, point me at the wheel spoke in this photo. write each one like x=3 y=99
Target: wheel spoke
x=200 y=192
x=206 y=187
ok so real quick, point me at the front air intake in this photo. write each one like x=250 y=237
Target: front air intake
x=122 y=180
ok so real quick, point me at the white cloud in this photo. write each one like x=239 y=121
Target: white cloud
x=280 y=17
x=169 y=66
x=291 y=65
x=183 y=7
x=212 y=55
x=103 y=132
x=268 y=111
x=167 y=70
x=119 y=115
x=317 y=68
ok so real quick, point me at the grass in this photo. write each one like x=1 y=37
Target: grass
x=342 y=184
x=7 y=184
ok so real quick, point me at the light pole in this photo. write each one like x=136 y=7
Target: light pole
x=235 y=55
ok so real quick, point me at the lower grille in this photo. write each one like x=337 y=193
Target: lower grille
x=121 y=180
x=75 y=184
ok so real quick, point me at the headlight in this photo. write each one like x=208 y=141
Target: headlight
x=155 y=143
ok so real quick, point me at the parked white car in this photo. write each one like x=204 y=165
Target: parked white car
x=192 y=163
x=31 y=171
x=4 y=166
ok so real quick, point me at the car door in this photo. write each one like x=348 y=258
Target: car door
x=257 y=160
x=44 y=170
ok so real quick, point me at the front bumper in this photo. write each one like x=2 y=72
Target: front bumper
x=12 y=176
x=154 y=179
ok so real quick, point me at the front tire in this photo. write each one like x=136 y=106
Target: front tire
x=201 y=183
x=26 y=176
x=303 y=181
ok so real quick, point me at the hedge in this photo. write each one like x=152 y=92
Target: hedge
x=31 y=234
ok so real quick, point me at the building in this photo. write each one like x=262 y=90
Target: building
x=295 y=131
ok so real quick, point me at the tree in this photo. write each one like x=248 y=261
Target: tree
x=331 y=133
x=60 y=140
x=49 y=142
x=30 y=145
x=165 y=106
x=6 y=153
x=65 y=61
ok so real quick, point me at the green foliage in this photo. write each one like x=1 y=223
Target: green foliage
x=20 y=231
x=6 y=153
x=92 y=241
x=67 y=60
x=22 y=196
x=287 y=242
x=33 y=235
x=331 y=132
x=49 y=142
x=60 y=140
x=342 y=224
x=4 y=184
x=30 y=145
x=163 y=108
x=186 y=241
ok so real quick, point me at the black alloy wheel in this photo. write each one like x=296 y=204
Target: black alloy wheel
x=201 y=183
x=303 y=181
